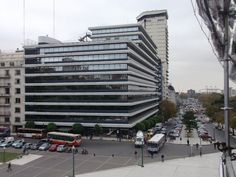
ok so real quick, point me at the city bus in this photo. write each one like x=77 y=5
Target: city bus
x=5 y=131
x=31 y=133
x=156 y=143
x=65 y=138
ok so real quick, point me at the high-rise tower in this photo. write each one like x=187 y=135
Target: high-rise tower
x=155 y=23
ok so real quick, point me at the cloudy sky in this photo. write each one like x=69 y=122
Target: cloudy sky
x=191 y=60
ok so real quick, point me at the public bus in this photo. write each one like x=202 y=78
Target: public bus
x=156 y=143
x=31 y=133
x=5 y=131
x=65 y=138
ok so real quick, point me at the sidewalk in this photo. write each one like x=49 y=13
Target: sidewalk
x=192 y=140
x=206 y=165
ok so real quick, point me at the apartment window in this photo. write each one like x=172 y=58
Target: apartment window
x=17 y=81
x=2 y=64
x=7 y=90
x=17 y=90
x=7 y=73
x=17 y=119
x=17 y=100
x=17 y=72
x=17 y=110
x=7 y=101
x=11 y=63
x=7 y=119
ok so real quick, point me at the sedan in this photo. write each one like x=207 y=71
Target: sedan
x=62 y=148
x=27 y=146
x=20 y=145
x=53 y=147
x=6 y=144
x=17 y=142
x=44 y=147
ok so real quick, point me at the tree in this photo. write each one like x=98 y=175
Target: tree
x=219 y=117
x=30 y=124
x=147 y=124
x=167 y=109
x=233 y=123
x=139 y=126
x=51 y=127
x=77 y=129
x=189 y=121
x=98 y=129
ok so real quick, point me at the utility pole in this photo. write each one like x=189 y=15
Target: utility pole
x=226 y=74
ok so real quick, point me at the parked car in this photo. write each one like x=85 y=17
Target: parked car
x=6 y=144
x=44 y=147
x=27 y=146
x=20 y=145
x=16 y=143
x=34 y=146
x=62 y=148
x=53 y=147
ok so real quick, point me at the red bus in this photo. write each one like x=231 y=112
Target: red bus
x=65 y=138
x=31 y=133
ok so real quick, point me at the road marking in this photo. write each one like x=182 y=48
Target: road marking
x=103 y=163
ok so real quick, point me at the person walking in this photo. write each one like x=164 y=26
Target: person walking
x=188 y=142
x=9 y=167
x=197 y=145
x=162 y=158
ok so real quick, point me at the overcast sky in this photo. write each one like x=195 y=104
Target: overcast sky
x=191 y=60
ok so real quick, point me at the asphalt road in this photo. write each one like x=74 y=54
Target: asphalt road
x=219 y=134
x=53 y=164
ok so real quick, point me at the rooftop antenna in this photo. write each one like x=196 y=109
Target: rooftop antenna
x=53 y=18
x=23 y=22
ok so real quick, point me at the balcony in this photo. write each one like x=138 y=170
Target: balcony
x=7 y=76
x=4 y=95
x=5 y=104
x=5 y=84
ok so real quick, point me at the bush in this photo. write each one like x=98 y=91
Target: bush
x=139 y=126
x=98 y=129
x=147 y=124
x=30 y=124
x=77 y=129
x=51 y=127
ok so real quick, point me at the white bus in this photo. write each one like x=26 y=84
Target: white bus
x=156 y=143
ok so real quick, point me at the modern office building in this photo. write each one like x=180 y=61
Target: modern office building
x=12 y=89
x=113 y=80
x=155 y=23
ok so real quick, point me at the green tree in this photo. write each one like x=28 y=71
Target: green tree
x=233 y=123
x=51 y=127
x=147 y=124
x=139 y=126
x=189 y=121
x=98 y=129
x=30 y=124
x=167 y=109
x=77 y=129
x=219 y=117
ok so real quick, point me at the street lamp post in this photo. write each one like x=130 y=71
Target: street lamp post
x=142 y=152
x=200 y=146
x=4 y=159
x=73 y=160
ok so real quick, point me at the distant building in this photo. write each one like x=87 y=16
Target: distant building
x=12 y=90
x=191 y=93
x=172 y=94
x=155 y=23
x=113 y=80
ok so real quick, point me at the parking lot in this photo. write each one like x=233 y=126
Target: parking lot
x=102 y=155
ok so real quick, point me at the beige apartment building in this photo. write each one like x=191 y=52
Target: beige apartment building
x=155 y=23
x=12 y=90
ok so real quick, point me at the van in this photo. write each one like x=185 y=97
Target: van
x=10 y=138
x=139 y=139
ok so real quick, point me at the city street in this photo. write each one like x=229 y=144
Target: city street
x=54 y=164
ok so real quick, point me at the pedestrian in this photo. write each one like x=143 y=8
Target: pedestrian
x=215 y=144
x=162 y=158
x=180 y=138
x=9 y=167
x=197 y=145
x=188 y=142
x=135 y=154
x=151 y=154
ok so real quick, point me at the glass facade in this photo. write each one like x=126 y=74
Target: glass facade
x=119 y=74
